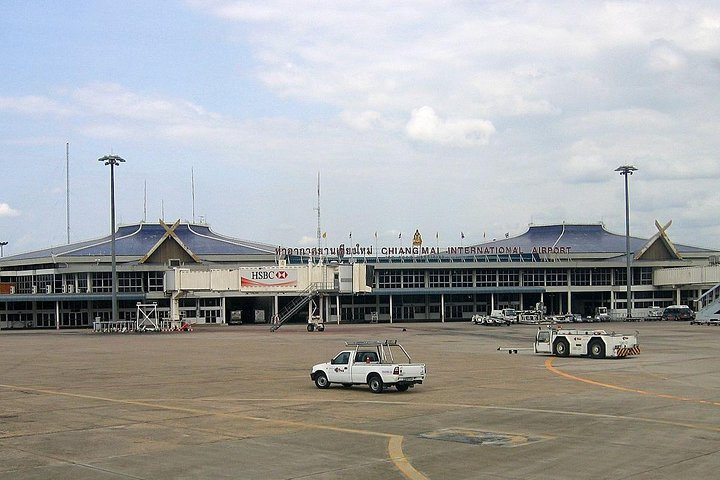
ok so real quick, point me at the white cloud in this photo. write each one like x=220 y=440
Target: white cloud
x=113 y=100
x=7 y=211
x=586 y=164
x=33 y=105
x=625 y=119
x=426 y=126
x=307 y=241
x=362 y=121
x=665 y=57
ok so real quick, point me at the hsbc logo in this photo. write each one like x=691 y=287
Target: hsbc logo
x=269 y=275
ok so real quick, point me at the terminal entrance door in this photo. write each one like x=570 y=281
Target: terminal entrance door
x=556 y=303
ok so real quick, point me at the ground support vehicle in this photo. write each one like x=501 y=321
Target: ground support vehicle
x=593 y=343
x=601 y=314
x=530 y=317
x=369 y=362
x=509 y=315
x=706 y=321
x=654 y=313
x=316 y=323
x=235 y=317
x=478 y=319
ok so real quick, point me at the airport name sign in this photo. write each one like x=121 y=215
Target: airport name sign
x=504 y=250
x=359 y=251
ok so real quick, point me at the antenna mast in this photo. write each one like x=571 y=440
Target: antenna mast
x=319 y=235
x=67 y=188
x=145 y=202
x=192 y=182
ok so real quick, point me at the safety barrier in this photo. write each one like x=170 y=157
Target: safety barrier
x=118 y=326
x=130 y=326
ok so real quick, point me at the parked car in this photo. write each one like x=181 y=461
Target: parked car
x=678 y=312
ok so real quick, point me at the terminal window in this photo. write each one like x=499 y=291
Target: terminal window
x=486 y=278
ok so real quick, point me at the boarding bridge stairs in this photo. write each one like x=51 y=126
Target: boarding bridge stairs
x=708 y=305
x=296 y=304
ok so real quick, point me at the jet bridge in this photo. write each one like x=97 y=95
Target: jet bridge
x=305 y=282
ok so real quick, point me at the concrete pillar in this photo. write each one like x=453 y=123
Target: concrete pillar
x=442 y=307
x=337 y=307
x=569 y=302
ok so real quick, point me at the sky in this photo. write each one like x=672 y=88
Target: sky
x=465 y=120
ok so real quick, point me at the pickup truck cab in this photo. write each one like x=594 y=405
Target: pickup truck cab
x=369 y=362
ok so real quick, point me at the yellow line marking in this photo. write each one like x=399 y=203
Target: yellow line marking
x=395 y=452
x=400 y=460
x=555 y=370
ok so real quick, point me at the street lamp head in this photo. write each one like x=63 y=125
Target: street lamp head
x=2 y=244
x=114 y=160
x=626 y=169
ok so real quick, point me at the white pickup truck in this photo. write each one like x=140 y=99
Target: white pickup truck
x=369 y=362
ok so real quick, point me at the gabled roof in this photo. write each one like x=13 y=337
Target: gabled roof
x=659 y=247
x=581 y=238
x=167 y=236
x=138 y=240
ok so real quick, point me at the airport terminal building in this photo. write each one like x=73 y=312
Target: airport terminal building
x=569 y=268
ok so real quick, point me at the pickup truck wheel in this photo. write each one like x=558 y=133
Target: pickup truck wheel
x=562 y=348
x=402 y=387
x=597 y=349
x=321 y=381
x=376 y=384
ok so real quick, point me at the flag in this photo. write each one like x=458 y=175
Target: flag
x=376 y=235
x=400 y=235
x=507 y=235
x=462 y=235
x=324 y=234
x=436 y=234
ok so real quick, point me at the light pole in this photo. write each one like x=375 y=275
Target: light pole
x=625 y=171
x=2 y=244
x=113 y=161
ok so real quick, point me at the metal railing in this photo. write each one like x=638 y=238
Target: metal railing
x=296 y=304
x=709 y=302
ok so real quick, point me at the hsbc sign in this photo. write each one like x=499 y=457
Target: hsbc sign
x=268 y=277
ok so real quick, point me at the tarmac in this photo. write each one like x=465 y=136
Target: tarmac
x=237 y=402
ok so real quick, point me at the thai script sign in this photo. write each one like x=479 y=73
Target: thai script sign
x=369 y=251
